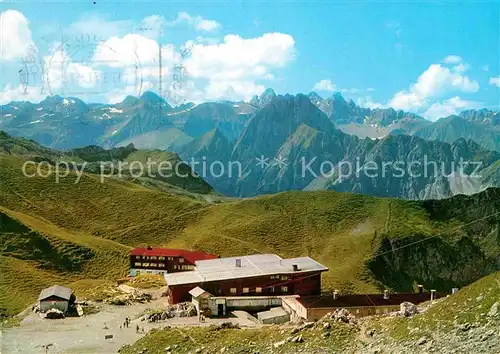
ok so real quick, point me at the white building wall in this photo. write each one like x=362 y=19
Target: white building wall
x=61 y=305
x=136 y=271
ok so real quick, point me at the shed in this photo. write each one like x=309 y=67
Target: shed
x=57 y=297
x=200 y=299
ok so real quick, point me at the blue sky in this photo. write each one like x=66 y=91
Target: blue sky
x=433 y=59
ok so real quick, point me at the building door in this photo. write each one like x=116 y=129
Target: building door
x=220 y=309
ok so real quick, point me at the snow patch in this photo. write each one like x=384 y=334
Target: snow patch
x=36 y=121
x=65 y=102
x=114 y=110
x=8 y=115
x=39 y=109
x=105 y=115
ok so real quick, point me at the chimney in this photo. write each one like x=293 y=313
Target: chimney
x=238 y=262
x=335 y=294
x=432 y=294
x=149 y=247
x=386 y=294
x=454 y=290
x=420 y=288
x=295 y=267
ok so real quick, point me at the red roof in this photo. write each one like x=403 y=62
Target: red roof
x=190 y=256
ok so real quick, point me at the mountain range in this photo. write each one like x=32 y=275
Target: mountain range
x=303 y=142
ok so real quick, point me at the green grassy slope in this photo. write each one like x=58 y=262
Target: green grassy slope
x=37 y=254
x=472 y=304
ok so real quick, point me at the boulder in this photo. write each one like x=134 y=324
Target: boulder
x=407 y=309
x=54 y=314
x=493 y=310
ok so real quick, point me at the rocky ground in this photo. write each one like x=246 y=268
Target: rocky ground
x=405 y=331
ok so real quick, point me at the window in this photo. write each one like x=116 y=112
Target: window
x=275 y=277
x=137 y=257
x=161 y=258
x=272 y=289
x=175 y=266
x=153 y=257
x=377 y=311
x=170 y=258
x=181 y=260
x=284 y=289
x=284 y=277
x=258 y=290
x=357 y=311
x=161 y=265
x=233 y=290
x=246 y=290
x=137 y=264
x=145 y=264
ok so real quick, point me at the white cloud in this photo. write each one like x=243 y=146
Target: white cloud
x=438 y=79
x=324 y=85
x=495 y=81
x=368 y=102
x=152 y=26
x=131 y=50
x=451 y=106
x=407 y=101
x=60 y=68
x=197 y=22
x=95 y=26
x=233 y=66
x=233 y=89
x=452 y=59
x=15 y=35
x=434 y=82
x=21 y=93
x=461 y=68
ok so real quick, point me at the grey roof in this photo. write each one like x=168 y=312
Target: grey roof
x=272 y=313
x=196 y=292
x=251 y=266
x=56 y=290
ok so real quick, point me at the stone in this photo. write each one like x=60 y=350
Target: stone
x=407 y=309
x=422 y=340
x=54 y=314
x=494 y=310
x=326 y=326
x=279 y=344
x=465 y=327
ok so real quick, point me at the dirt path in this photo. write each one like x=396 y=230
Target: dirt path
x=86 y=334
